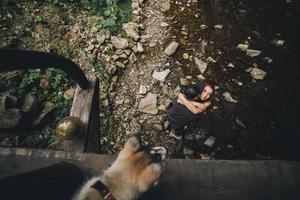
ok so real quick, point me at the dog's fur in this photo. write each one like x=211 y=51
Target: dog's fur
x=133 y=172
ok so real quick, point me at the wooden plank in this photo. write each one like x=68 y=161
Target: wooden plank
x=84 y=105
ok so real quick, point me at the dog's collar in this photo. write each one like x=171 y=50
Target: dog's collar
x=103 y=190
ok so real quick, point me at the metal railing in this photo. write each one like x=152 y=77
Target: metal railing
x=15 y=59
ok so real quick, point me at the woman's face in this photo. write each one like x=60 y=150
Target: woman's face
x=206 y=93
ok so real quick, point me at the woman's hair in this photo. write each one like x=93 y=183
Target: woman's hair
x=190 y=91
x=193 y=90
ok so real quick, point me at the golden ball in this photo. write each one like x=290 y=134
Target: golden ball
x=69 y=127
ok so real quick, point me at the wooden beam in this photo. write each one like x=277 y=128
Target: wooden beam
x=86 y=107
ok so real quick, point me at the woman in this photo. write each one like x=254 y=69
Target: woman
x=188 y=107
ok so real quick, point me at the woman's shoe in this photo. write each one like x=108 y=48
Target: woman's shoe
x=174 y=135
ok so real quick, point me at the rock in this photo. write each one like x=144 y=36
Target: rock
x=143 y=89
x=161 y=76
x=164 y=24
x=187 y=151
x=111 y=69
x=278 y=43
x=230 y=65
x=119 y=64
x=69 y=94
x=131 y=29
x=166 y=125
x=157 y=127
x=202 y=65
x=186 y=56
x=200 y=77
x=257 y=73
x=91 y=47
x=30 y=104
x=132 y=58
x=184 y=81
x=171 y=48
x=210 y=141
x=165 y=6
x=135 y=5
x=242 y=47
x=239 y=122
x=47 y=109
x=9 y=118
x=101 y=39
x=148 y=104
x=268 y=60
x=252 y=52
x=210 y=59
x=205 y=156
x=229 y=98
x=119 y=43
x=140 y=47
x=44 y=82
x=218 y=26
x=7 y=101
x=203 y=26
x=152 y=44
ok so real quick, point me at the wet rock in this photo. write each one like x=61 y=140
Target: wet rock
x=47 y=109
x=210 y=141
x=131 y=29
x=203 y=26
x=202 y=65
x=252 y=52
x=242 y=47
x=171 y=48
x=161 y=76
x=157 y=127
x=257 y=73
x=119 y=43
x=9 y=118
x=143 y=89
x=227 y=96
x=165 y=6
x=148 y=104
x=30 y=104
x=69 y=94
x=186 y=56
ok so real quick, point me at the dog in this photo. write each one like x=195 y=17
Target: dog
x=136 y=169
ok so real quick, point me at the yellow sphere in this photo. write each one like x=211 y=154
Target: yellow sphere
x=69 y=127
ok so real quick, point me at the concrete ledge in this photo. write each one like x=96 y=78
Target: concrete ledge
x=184 y=179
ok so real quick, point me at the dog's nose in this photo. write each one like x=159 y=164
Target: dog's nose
x=158 y=153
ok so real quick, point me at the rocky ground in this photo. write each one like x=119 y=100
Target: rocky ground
x=168 y=43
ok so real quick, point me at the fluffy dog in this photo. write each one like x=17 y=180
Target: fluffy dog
x=134 y=171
